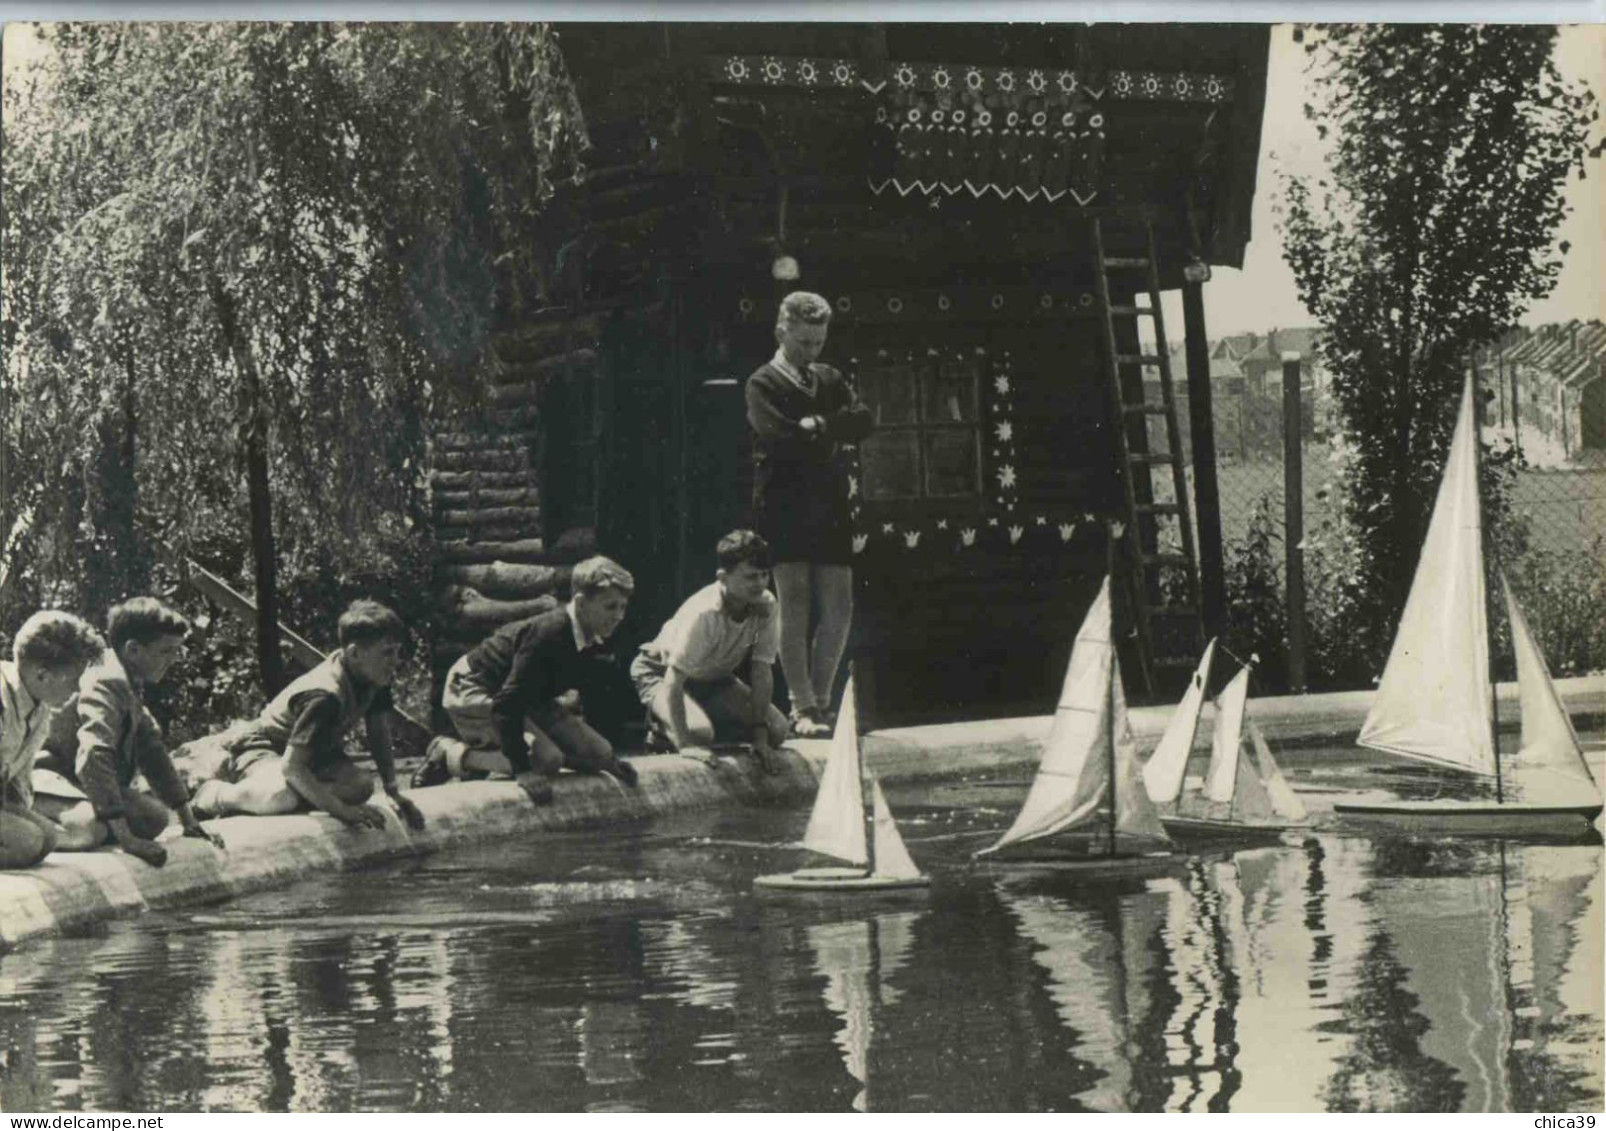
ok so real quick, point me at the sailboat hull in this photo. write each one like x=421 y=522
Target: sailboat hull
x=1092 y=869
x=1195 y=829
x=1474 y=818
x=839 y=880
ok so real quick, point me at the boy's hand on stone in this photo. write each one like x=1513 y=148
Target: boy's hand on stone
x=199 y=832
x=404 y=805
x=147 y=850
x=537 y=786
x=766 y=754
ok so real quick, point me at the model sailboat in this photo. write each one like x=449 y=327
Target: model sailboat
x=1436 y=699
x=1246 y=796
x=849 y=799
x=1087 y=808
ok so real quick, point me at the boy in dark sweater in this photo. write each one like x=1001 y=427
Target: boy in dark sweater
x=519 y=699
x=801 y=414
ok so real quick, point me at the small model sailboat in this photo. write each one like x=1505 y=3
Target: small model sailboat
x=1436 y=700
x=1246 y=796
x=849 y=799
x=1087 y=808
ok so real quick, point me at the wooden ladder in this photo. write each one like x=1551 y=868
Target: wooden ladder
x=1153 y=602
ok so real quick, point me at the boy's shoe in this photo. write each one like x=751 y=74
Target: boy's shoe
x=658 y=740
x=624 y=771
x=434 y=770
x=807 y=723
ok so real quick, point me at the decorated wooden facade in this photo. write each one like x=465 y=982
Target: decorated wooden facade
x=938 y=184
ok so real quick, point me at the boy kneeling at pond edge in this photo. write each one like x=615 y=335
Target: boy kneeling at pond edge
x=520 y=699
x=49 y=654
x=687 y=676
x=293 y=754
x=110 y=737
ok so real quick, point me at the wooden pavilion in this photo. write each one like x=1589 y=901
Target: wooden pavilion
x=991 y=209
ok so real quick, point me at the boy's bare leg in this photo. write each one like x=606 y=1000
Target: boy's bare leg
x=796 y=594
x=263 y=792
x=699 y=728
x=732 y=705
x=350 y=782
x=486 y=760
x=147 y=816
x=587 y=752
x=833 y=600
x=78 y=829
x=26 y=838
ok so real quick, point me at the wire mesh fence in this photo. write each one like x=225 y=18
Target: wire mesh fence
x=1557 y=516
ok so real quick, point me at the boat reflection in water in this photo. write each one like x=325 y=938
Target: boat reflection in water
x=1338 y=973
x=859 y=958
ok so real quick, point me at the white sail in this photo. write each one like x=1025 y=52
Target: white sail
x=836 y=825
x=1550 y=766
x=1433 y=701
x=1135 y=814
x=1073 y=780
x=891 y=857
x=1163 y=774
x=1284 y=801
x=1222 y=778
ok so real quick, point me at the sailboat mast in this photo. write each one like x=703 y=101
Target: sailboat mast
x=1483 y=556
x=866 y=788
x=1115 y=666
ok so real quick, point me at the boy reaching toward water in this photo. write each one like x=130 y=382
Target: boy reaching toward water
x=49 y=654
x=115 y=739
x=293 y=754
x=535 y=696
x=687 y=676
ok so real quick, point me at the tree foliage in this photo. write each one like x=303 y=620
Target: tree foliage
x=274 y=247
x=1432 y=234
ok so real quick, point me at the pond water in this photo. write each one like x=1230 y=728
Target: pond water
x=635 y=968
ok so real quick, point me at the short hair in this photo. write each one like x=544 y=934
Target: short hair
x=596 y=574
x=366 y=621
x=805 y=307
x=56 y=640
x=742 y=546
x=143 y=619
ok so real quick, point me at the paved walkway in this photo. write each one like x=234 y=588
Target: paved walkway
x=71 y=890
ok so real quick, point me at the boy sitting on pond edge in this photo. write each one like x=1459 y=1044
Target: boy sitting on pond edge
x=293 y=753
x=113 y=738
x=49 y=655
x=686 y=677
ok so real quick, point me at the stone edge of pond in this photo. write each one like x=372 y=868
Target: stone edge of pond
x=73 y=890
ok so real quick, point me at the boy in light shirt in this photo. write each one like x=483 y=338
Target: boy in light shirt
x=49 y=655
x=687 y=675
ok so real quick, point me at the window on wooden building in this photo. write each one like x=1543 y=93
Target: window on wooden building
x=927 y=439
